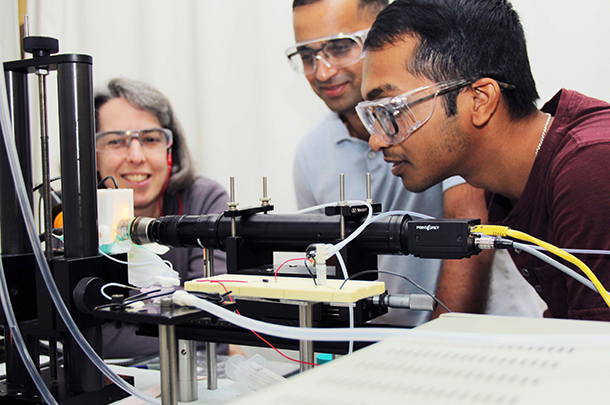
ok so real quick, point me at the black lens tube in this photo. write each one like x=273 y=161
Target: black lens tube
x=288 y=233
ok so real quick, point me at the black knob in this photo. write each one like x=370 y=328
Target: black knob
x=88 y=294
x=40 y=46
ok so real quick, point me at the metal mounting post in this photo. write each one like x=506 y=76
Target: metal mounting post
x=306 y=346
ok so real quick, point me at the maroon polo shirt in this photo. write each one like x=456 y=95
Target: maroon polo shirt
x=566 y=202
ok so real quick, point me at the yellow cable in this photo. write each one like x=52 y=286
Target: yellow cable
x=504 y=231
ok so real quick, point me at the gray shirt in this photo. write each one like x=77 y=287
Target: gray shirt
x=328 y=150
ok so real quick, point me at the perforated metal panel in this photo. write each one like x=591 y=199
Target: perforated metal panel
x=411 y=370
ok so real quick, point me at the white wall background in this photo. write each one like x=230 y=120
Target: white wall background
x=9 y=29
x=221 y=64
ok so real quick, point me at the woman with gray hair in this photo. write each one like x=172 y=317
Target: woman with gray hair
x=139 y=142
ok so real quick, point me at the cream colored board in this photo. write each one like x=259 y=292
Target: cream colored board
x=288 y=288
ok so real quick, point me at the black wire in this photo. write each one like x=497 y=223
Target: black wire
x=150 y=297
x=310 y=273
x=213 y=297
x=132 y=299
x=106 y=178
x=397 y=275
x=144 y=294
x=50 y=181
x=147 y=297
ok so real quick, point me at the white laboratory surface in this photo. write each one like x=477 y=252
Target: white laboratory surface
x=463 y=359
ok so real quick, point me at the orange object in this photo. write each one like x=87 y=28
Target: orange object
x=58 y=222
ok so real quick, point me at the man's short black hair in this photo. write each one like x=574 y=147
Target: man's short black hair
x=462 y=39
x=373 y=5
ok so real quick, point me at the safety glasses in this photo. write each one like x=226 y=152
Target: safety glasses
x=335 y=51
x=153 y=139
x=394 y=119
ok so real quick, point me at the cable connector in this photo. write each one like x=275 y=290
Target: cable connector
x=489 y=242
x=485 y=242
x=319 y=253
x=492 y=230
x=501 y=243
x=414 y=302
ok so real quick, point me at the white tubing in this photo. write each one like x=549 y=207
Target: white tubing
x=19 y=342
x=375 y=334
x=11 y=149
x=351 y=306
x=577 y=251
x=4 y=294
x=411 y=213
x=369 y=220
x=534 y=252
x=357 y=232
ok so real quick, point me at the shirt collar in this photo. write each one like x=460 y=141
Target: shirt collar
x=338 y=130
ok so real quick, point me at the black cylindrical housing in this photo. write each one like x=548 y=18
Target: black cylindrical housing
x=286 y=233
x=17 y=241
x=78 y=169
x=83 y=375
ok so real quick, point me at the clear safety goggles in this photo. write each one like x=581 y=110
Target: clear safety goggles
x=394 y=119
x=152 y=139
x=335 y=51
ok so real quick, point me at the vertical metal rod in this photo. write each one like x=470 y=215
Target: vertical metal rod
x=208 y=262
x=232 y=205
x=44 y=150
x=168 y=358
x=369 y=194
x=306 y=346
x=167 y=361
x=210 y=347
x=265 y=200
x=26 y=26
x=211 y=365
x=232 y=188
x=187 y=370
x=342 y=202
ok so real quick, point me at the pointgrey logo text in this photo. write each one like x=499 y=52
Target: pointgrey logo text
x=427 y=227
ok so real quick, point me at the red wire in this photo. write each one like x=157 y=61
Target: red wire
x=289 y=260
x=259 y=336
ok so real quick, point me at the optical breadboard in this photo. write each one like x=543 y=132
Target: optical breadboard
x=288 y=288
x=445 y=369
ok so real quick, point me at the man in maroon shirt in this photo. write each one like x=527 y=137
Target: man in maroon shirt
x=451 y=93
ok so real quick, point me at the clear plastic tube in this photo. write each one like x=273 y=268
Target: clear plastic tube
x=11 y=148
x=351 y=307
x=376 y=334
x=20 y=343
